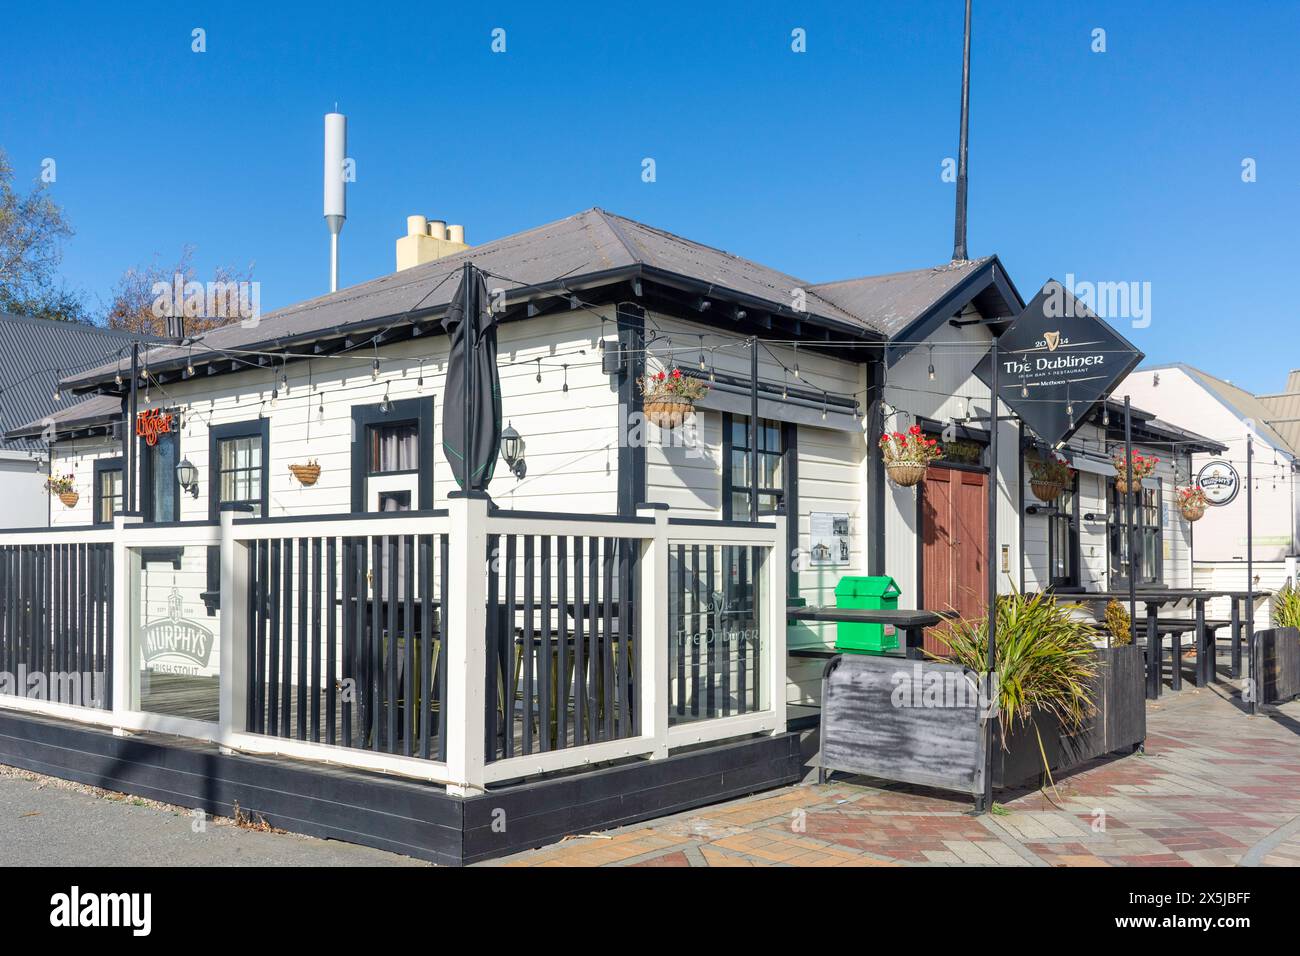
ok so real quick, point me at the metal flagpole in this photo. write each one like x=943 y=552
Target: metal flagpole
x=128 y=436
x=1153 y=658
x=1255 y=688
x=991 y=565
x=753 y=428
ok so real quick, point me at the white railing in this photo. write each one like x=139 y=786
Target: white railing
x=557 y=661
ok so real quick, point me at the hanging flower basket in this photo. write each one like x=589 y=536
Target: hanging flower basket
x=307 y=474
x=1049 y=476
x=668 y=412
x=63 y=487
x=1131 y=473
x=670 y=397
x=905 y=474
x=907 y=457
x=1192 y=503
x=1045 y=491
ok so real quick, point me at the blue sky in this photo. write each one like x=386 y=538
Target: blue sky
x=1116 y=166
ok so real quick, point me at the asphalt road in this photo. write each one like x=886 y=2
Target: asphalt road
x=44 y=822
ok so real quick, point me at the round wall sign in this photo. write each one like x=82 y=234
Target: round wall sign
x=1220 y=482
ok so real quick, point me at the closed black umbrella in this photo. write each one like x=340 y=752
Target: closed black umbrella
x=471 y=426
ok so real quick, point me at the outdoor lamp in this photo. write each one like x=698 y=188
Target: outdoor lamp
x=512 y=450
x=188 y=476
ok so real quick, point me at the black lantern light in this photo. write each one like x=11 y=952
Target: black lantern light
x=512 y=450
x=188 y=476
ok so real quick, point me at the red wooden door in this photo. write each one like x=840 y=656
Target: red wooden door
x=954 y=536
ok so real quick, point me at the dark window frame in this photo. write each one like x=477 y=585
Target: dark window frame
x=1071 y=519
x=789 y=491
x=103 y=466
x=417 y=410
x=252 y=428
x=1116 y=517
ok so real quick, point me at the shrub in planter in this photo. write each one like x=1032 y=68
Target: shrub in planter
x=670 y=397
x=1119 y=624
x=1046 y=663
x=1049 y=476
x=908 y=456
x=1132 y=472
x=1192 y=502
x=1286 y=607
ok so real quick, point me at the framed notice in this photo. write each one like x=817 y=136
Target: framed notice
x=829 y=538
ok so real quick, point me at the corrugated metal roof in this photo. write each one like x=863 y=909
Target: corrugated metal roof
x=581 y=246
x=28 y=348
x=1284 y=411
x=96 y=410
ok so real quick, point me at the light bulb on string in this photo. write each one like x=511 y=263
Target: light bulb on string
x=565 y=389
x=539 y=369
x=1024 y=389
x=58 y=394
x=374 y=369
x=824 y=397
x=930 y=370
x=385 y=406
x=419 y=382
x=702 y=364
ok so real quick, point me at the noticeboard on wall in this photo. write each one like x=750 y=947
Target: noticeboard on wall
x=828 y=538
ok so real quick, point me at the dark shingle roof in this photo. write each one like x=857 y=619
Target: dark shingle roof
x=28 y=348
x=578 y=248
x=890 y=303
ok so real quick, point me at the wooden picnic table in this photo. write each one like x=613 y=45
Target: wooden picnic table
x=911 y=623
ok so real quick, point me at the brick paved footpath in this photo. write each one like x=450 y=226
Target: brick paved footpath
x=1215 y=787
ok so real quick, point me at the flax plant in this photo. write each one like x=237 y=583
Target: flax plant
x=1286 y=607
x=1046 y=659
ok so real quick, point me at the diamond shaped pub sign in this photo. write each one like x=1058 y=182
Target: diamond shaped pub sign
x=1056 y=362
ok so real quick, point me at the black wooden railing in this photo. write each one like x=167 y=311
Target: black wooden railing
x=714 y=666
x=563 y=642
x=346 y=641
x=56 y=621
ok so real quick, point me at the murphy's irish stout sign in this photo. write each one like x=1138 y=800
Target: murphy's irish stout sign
x=1056 y=361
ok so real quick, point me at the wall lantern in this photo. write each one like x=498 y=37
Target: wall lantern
x=188 y=476
x=512 y=450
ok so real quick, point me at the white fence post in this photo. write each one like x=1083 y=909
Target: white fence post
x=123 y=677
x=654 y=633
x=465 y=619
x=234 y=629
x=778 y=568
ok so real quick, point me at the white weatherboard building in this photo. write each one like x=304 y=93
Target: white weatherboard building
x=350 y=614
x=302 y=387
x=1235 y=418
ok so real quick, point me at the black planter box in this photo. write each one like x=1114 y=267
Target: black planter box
x=1118 y=725
x=871 y=724
x=1276 y=664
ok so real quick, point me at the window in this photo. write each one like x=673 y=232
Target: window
x=239 y=471
x=238 y=462
x=394 y=448
x=1148 y=523
x=108 y=489
x=1063 y=538
x=736 y=482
